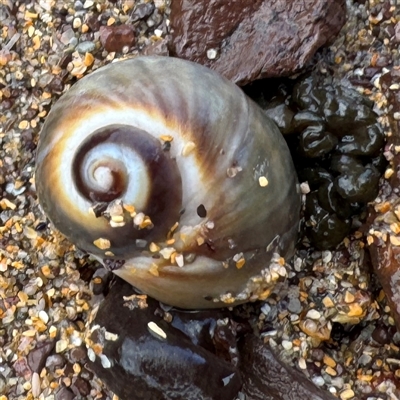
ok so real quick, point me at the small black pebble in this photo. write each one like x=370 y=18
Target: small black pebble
x=201 y=211
x=41 y=226
x=381 y=335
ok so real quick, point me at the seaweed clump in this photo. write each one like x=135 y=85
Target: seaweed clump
x=337 y=147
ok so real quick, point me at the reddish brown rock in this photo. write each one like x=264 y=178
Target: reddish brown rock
x=384 y=219
x=114 y=38
x=253 y=39
x=267 y=378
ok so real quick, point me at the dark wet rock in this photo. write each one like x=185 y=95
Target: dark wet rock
x=37 y=357
x=197 y=355
x=139 y=363
x=267 y=378
x=114 y=38
x=249 y=40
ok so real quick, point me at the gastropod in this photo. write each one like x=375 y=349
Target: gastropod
x=168 y=169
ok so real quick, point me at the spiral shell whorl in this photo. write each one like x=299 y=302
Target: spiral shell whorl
x=222 y=144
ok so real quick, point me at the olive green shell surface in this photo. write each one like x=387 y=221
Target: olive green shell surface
x=166 y=165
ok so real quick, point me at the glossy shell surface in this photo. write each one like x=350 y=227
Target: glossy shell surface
x=196 y=184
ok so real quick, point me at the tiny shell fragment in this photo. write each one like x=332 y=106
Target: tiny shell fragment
x=156 y=329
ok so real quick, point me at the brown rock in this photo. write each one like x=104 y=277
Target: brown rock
x=253 y=39
x=268 y=378
x=114 y=38
x=80 y=387
x=37 y=357
x=385 y=251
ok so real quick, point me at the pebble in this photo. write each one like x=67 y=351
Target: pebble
x=294 y=305
x=313 y=314
x=302 y=363
x=3 y=384
x=37 y=357
x=44 y=316
x=61 y=345
x=77 y=23
x=67 y=36
x=318 y=381
x=88 y=4
x=397 y=33
x=287 y=345
x=78 y=5
x=73 y=42
x=347 y=394
x=364 y=360
x=55 y=361
x=265 y=309
x=142 y=11
x=80 y=386
x=78 y=354
x=36 y=390
x=212 y=54
x=86 y=47
x=114 y=38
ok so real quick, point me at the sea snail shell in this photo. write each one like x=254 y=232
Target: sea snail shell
x=199 y=183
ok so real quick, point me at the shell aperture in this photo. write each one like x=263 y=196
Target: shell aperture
x=168 y=166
